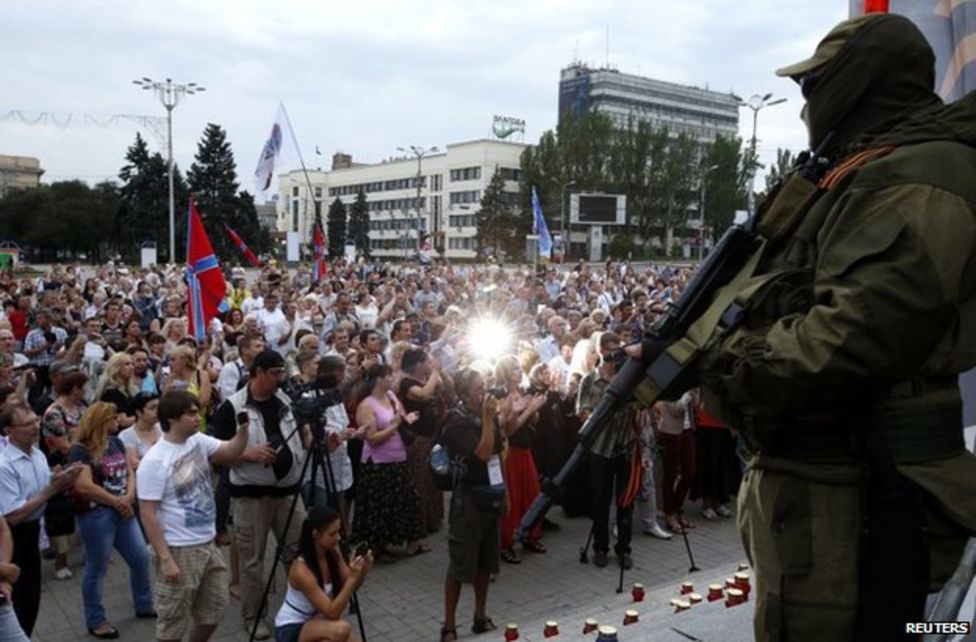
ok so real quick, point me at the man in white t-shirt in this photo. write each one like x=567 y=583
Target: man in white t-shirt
x=176 y=503
x=274 y=326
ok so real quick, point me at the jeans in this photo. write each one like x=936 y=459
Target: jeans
x=10 y=630
x=101 y=530
x=27 y=590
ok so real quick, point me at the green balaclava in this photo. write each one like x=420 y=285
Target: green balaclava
x=869 y=74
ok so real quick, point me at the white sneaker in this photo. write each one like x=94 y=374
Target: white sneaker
x=723 y=511
x=63 y=574
x=657 y=531
x=709 y=514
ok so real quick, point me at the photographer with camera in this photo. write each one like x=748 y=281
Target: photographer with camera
x=613 y=473
x=473 y=436
x=264 y=478
x=331 y=484
x=41 y=346
x=320 y=583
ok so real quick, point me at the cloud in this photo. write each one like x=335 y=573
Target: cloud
x=368 y=77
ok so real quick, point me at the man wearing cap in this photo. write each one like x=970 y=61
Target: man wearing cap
x=859 y=494
x=264 y=478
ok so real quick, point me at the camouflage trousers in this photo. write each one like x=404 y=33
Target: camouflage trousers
x=802 y=539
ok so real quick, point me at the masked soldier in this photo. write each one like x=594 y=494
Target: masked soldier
x=858 y=316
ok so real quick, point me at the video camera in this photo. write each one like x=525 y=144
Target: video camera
x=308 y=408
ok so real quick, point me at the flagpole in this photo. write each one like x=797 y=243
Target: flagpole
x=301 y=160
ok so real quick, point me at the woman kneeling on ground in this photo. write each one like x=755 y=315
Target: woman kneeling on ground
x=320 y=584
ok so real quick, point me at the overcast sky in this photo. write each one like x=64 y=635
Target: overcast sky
x=369 y=76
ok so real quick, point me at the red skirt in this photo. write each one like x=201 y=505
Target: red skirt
x=522 y=482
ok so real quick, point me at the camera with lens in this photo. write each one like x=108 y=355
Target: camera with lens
x=498 y=392
x=308 y=408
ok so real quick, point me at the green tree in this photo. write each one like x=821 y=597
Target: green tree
x=784 y=162
x=498 y=226
x=213 y=183
x=337 y=228
x=61 y=220
x=143 y=213
x=726 y=175
x=359 y=224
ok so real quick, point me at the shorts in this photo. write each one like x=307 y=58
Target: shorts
x=201 y=592
x=473 y=539
x=288 y=632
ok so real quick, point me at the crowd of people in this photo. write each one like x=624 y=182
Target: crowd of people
x=121 y=431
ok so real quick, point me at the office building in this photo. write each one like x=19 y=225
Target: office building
x=451 y=185
x=701 y=113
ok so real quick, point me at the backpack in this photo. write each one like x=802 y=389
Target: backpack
x=446 y=470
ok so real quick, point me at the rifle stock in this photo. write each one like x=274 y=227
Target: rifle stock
x=657 y=375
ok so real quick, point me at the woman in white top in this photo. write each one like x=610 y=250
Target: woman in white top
x=320 y=583
x=366 y=310
x=145 y=432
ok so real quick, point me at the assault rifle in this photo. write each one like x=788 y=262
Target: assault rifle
x=657 y=375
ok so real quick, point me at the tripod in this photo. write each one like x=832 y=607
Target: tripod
x=317 y=462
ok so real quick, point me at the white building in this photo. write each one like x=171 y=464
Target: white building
x=701 y=113
x=451 y=186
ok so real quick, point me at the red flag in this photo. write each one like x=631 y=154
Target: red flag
x=242 y=246
x=875 y=6
x=204 y=279
x=318 y=254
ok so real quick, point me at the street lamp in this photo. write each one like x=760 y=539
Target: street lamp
x=562 y=218
x=701 y=209
x=419 y=152
x=755 y=103
x=170 y=94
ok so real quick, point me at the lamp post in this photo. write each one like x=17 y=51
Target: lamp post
x=701 y=209
x=419 y=152
x=170 y=94
x=562 y=218
x=755 y=103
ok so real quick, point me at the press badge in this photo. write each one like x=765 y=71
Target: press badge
x=495 y=471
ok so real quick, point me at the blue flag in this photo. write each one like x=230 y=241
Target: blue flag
x=539 y=227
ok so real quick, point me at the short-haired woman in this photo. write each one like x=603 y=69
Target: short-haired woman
x=105 y=492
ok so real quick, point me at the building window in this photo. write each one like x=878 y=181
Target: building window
x=466 y=174
x=462 y=220
x=294 y=191
x=470 y=196
x=318 y=193
x=510 y=173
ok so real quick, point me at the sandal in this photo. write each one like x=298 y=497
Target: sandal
x=448 y=634
x=482 y=625
x=534 y=545
x=510 y=556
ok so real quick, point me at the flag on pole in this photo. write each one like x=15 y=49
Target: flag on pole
x=950 y=28
x=318 y=253
x=273 y=154
x=539 y=227
x=242 y=246
x=204 y=279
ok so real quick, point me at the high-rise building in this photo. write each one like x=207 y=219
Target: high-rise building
x=701 y=113
x=452 y=182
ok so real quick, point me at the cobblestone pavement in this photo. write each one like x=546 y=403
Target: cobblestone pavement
x=404 y=600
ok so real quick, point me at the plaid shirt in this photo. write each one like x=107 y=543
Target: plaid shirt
x=35 y=339
x=616 y=438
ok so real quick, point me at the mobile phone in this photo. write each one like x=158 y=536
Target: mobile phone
x=361 y=549
x=242 y=418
